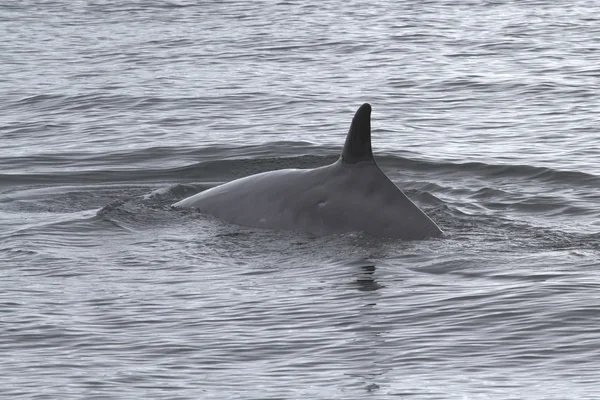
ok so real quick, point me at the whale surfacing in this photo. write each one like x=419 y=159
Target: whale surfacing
x=350 y=195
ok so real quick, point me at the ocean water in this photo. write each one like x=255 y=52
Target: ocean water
x=484 y=112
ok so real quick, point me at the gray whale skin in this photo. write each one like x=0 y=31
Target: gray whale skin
x=350 y=195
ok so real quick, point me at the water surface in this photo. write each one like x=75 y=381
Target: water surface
x=484 y=113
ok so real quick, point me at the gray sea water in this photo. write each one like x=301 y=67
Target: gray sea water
x=484 y=112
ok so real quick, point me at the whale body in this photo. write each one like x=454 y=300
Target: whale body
x=350 y=195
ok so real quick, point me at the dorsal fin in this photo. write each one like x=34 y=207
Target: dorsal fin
x=358 y=142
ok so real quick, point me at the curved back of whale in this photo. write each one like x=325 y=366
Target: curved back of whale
x=352 y=194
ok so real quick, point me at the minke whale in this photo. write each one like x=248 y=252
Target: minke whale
x=350 y=195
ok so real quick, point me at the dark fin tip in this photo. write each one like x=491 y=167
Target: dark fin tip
x=358 y=142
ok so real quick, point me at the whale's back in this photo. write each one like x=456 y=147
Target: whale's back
x=333 y=199
x=352 y=194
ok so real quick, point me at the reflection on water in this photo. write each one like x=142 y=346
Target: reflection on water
x=365 y=279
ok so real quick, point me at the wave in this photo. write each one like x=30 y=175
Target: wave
x=251 y=160
x=495 y=171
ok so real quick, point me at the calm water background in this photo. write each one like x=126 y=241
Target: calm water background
x=485 y=113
